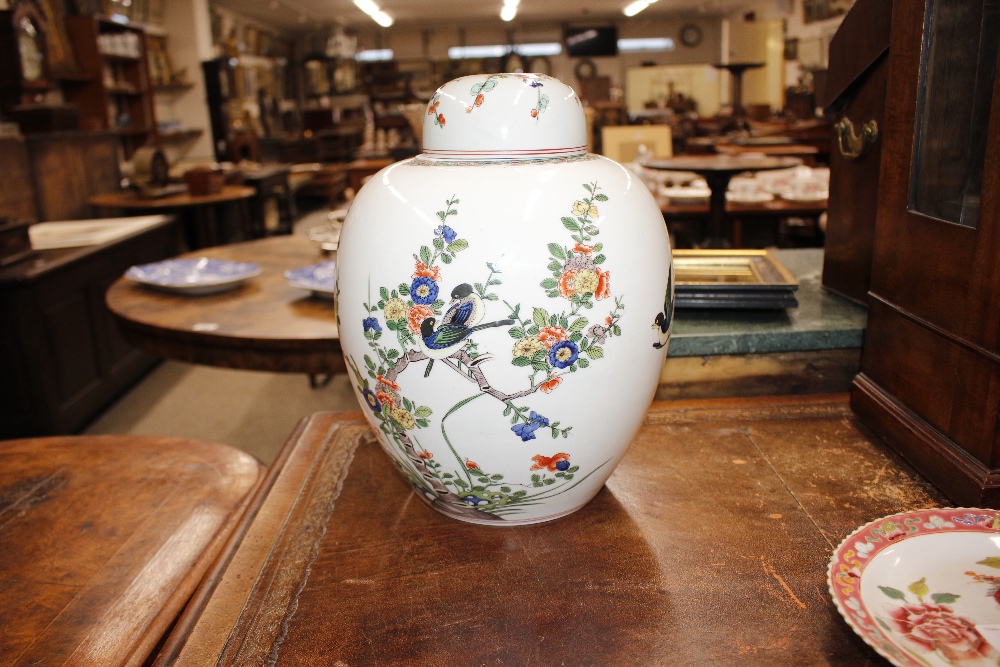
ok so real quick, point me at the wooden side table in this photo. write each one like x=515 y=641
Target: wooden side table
x=196 y=211
x=264 y=325
x=105 y=538
x=709 y=545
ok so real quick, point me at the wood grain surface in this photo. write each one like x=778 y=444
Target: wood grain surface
x=264 y=324
x=131 y=201
x=709 y=545
x=105 y=538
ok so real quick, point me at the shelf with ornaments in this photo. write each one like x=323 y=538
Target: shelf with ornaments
x=115 y=91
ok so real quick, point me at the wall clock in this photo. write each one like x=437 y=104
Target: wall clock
x=24 y=66
x=691 y=35
x=25 y=47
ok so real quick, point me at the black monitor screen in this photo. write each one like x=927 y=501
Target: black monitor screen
x=602 y=41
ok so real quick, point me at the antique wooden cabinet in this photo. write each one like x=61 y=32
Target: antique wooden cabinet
x=62 y=359
x=855 y=94
x=930 y=380
x=69 y=167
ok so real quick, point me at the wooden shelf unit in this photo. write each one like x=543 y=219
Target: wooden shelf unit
x=114 y=92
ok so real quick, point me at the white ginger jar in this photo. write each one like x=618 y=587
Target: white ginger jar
x=504 y=302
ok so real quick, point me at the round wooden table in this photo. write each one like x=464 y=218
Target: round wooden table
x=264 y=324
x=196 y=211
x=717 y=170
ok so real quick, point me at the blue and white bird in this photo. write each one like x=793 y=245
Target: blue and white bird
x=443 y=341
x=662 y=320
x=465 y=308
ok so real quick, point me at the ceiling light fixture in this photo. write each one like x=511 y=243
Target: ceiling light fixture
x=375 y=12
x=634 y=8
x=509 y=10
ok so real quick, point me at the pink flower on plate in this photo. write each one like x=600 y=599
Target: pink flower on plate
x=935 y=627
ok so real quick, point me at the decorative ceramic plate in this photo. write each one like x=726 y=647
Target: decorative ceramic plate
x=317 y=278
x=756 y=198
x=923 y=587
x=687 y=195
x=193 y=276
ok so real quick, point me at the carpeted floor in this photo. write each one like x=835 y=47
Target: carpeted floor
x=250 y=410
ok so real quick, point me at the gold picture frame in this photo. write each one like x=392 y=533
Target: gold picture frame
x=733 y=279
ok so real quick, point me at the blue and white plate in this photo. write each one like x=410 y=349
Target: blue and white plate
x=193 y=276
x=317 y=278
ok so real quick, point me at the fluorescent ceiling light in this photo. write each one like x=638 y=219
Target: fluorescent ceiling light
x=375 y=12
x=509 y=10
x=494 y=51
x=499 y=51
x=646 y=44
x=635 y=7
x=539 y=49
x=371 y=55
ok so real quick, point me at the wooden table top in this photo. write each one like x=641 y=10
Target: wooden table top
x=777 y=207
x=264 y=324
x=130 y=200
x=721 y=164
x=709 y=545
x=791 y=150
x=105 y=538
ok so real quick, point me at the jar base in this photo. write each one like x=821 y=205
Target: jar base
x=493 y=520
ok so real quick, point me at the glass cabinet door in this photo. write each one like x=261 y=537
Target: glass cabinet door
x=957 y=70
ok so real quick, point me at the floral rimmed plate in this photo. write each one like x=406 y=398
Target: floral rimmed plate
x=915 y=586
x=317 y=278
x=193 y=276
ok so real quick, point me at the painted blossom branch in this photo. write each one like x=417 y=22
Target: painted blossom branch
x=476 y=375
x=452 y=503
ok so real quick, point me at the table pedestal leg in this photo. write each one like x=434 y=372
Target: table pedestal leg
x=718 y=183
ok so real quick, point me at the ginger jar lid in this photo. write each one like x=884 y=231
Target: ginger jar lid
x=504 y=117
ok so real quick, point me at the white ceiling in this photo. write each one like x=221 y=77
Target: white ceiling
x=288 y=14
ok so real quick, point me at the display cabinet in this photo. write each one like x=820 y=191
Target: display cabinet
x=62 y=359
x=854 y=95
x=930 y=380
x=117 y=93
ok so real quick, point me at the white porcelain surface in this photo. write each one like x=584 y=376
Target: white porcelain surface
x=504 y=116
x=518 y=399
x=78 y=233
x=193 y=276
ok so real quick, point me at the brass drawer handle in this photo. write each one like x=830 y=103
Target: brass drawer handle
x=852 y=145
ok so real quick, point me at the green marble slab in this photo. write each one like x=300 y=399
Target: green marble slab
x=823 y=321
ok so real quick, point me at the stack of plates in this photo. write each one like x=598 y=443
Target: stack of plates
x=732 y=279
x=687 y=195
